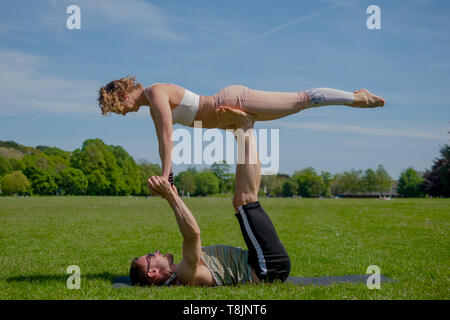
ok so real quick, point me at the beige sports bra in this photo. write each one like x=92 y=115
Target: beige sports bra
x=185 y=112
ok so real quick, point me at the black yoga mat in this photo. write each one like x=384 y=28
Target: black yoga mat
x=124 y=281
x=326 y=281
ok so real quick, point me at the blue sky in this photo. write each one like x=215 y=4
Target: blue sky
x=49 y=75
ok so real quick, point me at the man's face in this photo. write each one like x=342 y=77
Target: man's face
x=157 y=266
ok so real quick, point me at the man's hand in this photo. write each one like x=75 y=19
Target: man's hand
x=158 y=186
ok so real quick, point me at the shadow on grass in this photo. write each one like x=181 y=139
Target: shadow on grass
x=63 y=277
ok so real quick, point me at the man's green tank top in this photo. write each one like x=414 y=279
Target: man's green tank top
x=228 y=265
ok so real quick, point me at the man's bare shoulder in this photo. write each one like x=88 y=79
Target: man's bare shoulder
x=201 y=276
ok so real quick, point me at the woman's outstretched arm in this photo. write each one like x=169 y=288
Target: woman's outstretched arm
x=162 y=117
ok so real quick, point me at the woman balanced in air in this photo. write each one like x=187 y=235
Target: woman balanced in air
x=170 y=104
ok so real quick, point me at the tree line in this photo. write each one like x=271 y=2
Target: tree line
x=100 y=169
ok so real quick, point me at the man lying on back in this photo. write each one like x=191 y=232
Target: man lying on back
x=265 y=260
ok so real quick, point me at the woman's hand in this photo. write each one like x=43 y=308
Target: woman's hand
x=158 y=186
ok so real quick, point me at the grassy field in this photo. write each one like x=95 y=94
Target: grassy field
x=41 y=236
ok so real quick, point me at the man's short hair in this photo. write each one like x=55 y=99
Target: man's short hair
x=137 y=274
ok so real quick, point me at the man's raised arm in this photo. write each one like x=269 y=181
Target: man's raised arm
x=185 y=220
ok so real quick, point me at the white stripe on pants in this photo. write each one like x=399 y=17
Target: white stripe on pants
x=261 y=259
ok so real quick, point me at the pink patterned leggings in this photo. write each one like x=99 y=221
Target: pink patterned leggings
x=267 y=105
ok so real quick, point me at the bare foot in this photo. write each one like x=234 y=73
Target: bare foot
x=364 y=99
x=230 y=118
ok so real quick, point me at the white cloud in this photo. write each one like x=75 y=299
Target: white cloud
x=383 y=132
x=26 y=90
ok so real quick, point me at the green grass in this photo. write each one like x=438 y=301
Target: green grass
x=41 y=236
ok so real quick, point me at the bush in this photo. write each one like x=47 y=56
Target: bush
x=15 y=183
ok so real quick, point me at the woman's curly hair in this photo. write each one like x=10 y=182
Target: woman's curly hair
x=111 y=96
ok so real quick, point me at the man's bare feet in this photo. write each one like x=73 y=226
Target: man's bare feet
x=364 y=99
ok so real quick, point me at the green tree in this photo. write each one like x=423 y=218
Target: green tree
x=98 y=164
x=347 y=182
x=221 y=170
x=327 y=179
x=272 y=185
x=289 y=188
x=369 y=181
x=39 y=160
x=437 y=178
x=53 y=151
x=185 y=183
x=20 y=148
x=42 y=182
x=40 y=170
x=10 y=153
x=384 y=180
x=192 y=170
x=410 y=183
x=72 y=181
x=146 y=170
x=60 y=158
x=5 y=166
x=336 y=186
x=98 y=183
x=129 y=170
x=17 y=164
x=206 y=183
x=229 y=183
x=15 y=183
x=309 y=183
